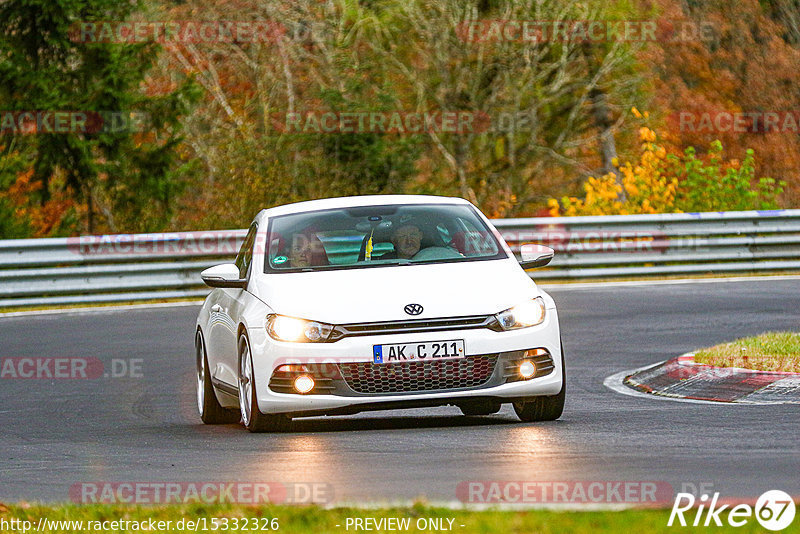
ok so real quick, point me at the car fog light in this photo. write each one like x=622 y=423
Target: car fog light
x=303 y=384
x=526 y=369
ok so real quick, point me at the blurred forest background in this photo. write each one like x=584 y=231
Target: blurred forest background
x=596 y=125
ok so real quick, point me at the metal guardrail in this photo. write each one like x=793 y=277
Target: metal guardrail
x=117 y=268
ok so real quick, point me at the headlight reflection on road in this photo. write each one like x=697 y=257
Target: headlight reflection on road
x=544 y=454
x=306 y=458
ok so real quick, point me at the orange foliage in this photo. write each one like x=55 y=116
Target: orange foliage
x=44 y=217
x=648 y=187
x=746 y=66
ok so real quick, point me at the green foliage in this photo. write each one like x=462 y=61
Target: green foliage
x=716 y=186
x=11 y=226
x=364 y=163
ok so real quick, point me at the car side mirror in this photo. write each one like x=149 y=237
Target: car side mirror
x=225 y=275
x=535 y=256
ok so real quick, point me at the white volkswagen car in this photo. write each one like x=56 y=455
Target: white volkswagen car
x=343 y=305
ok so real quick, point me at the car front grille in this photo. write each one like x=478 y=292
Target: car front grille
x=414 y=326
x=437 y=375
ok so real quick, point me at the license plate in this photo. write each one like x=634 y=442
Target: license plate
x=422 y=351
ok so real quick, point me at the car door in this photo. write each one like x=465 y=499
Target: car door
x=224 y=319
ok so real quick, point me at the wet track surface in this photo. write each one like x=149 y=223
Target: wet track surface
x=56 y=433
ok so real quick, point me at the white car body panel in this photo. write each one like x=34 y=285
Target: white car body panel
x=379 y=294
x=374 y=294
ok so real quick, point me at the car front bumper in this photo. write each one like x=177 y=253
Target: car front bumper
x=269 y=354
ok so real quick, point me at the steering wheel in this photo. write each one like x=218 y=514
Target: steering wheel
x=436 y=253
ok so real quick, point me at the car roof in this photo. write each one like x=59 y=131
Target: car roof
x=354 y=201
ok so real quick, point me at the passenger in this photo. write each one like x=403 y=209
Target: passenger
x=306 y=251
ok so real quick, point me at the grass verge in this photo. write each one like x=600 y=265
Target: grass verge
x=312 y=519
x=773 y=351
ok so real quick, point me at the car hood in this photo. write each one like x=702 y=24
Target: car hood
x=381 y=293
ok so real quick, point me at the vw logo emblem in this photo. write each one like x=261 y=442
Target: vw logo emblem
x=413 y=309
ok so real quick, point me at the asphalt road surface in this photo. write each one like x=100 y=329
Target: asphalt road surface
x=56 y=433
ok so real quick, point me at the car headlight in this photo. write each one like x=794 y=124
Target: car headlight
x=529 y=313
x=285 y=328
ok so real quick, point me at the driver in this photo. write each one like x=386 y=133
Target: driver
x=407 y=240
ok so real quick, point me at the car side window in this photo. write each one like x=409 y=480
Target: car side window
x=476 y=242
x=245 y=256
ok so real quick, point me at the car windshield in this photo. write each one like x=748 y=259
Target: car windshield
x=375 y=236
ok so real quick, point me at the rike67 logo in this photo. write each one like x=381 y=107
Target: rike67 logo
x=774 y=510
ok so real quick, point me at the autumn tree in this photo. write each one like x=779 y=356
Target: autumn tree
x=741 y=57
x=542 y=99
x=319 y=60
x=552 y=102
x=125 y=176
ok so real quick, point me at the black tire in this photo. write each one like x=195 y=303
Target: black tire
x=257 y=421
x=211 y=412
x=544 y=408
x=478 y=409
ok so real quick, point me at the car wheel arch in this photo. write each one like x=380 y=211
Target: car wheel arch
x=241 y=330
x=198 y=334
